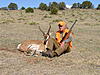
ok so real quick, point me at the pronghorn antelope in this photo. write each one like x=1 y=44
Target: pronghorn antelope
x=35 y=47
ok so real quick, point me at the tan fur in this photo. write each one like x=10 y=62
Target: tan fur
x=34 y=46
x=24 y=45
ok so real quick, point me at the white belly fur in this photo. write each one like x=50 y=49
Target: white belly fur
x=34 y=47
x=18 y=47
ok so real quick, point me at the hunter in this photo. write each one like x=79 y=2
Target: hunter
x=55 y=47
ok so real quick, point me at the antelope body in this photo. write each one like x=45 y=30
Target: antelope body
x=34 y=47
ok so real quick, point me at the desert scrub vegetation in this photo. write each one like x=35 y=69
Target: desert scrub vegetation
x=97 y=13
x=54 y=11
x=12 y=6
x=6 y=21
x=98 y=8
x=47 y=16
x=9 y=15
x=57 y=20
x=21 y=18
x=33 y=23
x=29 y=10
x=22 y=8
x=43 y=6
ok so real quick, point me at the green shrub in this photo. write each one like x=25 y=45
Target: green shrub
x=7 y=21
x=62 y=5
x=86 y=5
x=57 y=20
x=13 y=6
x=54 y=10
x=22 y=8
x=33 y=23
x=21 y=18
x=98 y=8
x=76 y=5
x=47 y=16
x=43 y=6
x=29 y=10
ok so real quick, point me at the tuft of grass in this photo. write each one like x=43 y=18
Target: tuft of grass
x=33 y=23
x=9 y=21
x=97 y=13
x=81 y=18
x=57 y=20
x=71 y=21
x=21 y=18
x=63 y=13
x=6 y=21
x=47 y=16
x=3 y=22
x=88 y=24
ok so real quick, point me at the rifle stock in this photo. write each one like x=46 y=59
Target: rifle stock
x=68 y=34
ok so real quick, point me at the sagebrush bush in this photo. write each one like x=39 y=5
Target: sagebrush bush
x=29 y=10
x=98 y=8
x=47 y=16
x=57 y=20
x=43 y=6
x=54 y=11
x=33 y=23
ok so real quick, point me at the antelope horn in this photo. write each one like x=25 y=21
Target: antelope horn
x=41 y=30
x=49 y=29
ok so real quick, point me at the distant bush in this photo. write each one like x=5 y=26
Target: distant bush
x=86 y=5
x=29 y=10
x=62 y=6
x=54 y=5
x=76 y=5
x=98 y=8
x=4 y=8
x=43 y=6
x=54 y=11
x=13 y=6
x=22 y=8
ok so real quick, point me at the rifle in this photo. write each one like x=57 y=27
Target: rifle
x=67 y=34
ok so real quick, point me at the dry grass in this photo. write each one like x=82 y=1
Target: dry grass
x=16 y=26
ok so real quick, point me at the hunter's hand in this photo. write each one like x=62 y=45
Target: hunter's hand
x=62 y=44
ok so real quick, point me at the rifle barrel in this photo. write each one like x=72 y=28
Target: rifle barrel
x=67 y=34
x=73 y=25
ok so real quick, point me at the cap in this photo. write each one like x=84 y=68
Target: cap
x=61 y=23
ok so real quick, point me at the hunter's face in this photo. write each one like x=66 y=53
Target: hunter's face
x=61 y=28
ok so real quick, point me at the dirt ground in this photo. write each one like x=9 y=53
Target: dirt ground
x=17 y=26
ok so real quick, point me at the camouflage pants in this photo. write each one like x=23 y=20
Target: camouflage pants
x=55 y=47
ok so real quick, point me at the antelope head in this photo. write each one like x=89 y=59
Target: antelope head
x=45 y=35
